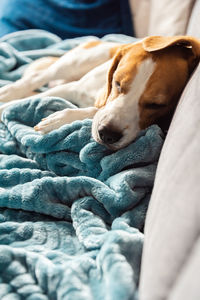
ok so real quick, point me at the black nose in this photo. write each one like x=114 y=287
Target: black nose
x=109 y=136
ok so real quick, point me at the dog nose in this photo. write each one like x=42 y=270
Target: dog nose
x=109 y=136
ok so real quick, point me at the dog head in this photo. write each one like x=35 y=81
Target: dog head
x=143 y=86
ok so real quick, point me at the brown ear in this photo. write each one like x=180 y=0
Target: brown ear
x=113 y=67
x=102 y=98
x=155 y=43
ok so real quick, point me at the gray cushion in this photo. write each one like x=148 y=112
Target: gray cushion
x=194 y=22
x=173 y=220
x=169 y=17
x=187 y=285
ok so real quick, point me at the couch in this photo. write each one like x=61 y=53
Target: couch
x=171 y=255
x=170 y=260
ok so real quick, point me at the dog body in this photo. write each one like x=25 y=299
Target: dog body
x=143 y=84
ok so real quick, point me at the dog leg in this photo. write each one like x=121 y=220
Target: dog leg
x=82 y=93
x=66 y=116
x=24 y=86
x=70 y=67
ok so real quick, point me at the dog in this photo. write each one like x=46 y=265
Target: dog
x=142 y=87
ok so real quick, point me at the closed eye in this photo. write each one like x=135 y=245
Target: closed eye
x=155 y=105
x=118 y=86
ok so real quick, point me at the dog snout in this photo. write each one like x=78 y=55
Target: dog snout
x=109 y=136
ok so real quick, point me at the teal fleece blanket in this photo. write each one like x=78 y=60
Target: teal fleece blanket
x=71 y=210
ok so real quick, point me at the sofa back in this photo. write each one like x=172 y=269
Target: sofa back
x=194 y=22
x=171 y=261
x=166 y=17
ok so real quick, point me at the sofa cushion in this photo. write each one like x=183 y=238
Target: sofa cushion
x=169 y=17
x=194 y=22
x=140 y=11
x=187 y=285
x=173 y=220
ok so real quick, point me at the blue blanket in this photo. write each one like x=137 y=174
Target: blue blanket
x=71 y=210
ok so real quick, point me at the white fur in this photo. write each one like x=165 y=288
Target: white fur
x=123 y=113
x=66 y=116
x=82 y=92
x=87 y=67
x=70 y=67
x=77 y=62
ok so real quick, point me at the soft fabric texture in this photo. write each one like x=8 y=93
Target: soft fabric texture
x=169 y=17
x=140 y=12
x=166 y=17
x=85 y=243
x=194 y=22
x=170 y=268
x=68 y=18
x=171 y=260
x=20 y=48
x=71 y=210
x=72 y=152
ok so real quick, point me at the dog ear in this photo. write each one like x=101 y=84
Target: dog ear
x=155 y=43
x=100 y=100
x=103 y=96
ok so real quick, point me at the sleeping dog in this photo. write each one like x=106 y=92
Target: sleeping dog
x=143 y=84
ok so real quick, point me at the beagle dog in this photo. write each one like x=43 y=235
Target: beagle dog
x=143 y=85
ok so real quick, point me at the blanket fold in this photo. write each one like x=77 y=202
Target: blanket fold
x=71 y=210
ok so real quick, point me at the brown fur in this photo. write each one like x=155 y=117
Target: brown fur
x=45 y=62
x=40 y=64
x=115 y=49
x=155 y=43
x=125 y=63
x=175 y=57
x=91 y=44
x=161 y=99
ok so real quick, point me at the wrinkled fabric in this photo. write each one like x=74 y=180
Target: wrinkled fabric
x=18 y=49
x=71 y=211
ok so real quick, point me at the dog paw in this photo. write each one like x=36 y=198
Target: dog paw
x=55 y=121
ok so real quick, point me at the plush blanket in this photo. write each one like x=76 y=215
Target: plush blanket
x=71 y=210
